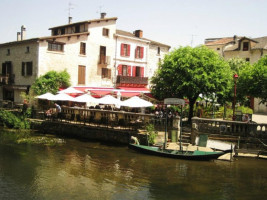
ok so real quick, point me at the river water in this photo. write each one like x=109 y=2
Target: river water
x=91 y=170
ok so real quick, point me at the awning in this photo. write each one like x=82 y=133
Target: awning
x=135 y=89
x=100 y=92
x=130 y=94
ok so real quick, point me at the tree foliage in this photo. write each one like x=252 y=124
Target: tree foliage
x=188 y=72
x=253 y=80
x=51 y=82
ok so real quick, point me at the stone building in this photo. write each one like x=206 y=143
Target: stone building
x=89 y=50
x=249 y=49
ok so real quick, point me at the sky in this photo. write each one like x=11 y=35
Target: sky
x=172 y=22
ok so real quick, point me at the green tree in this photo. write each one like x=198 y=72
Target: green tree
x=253 y=80
x=188 y=72
x=51 y=82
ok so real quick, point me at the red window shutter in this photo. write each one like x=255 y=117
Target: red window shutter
x=122 y=49
x=128 y=49
x=129 y=70
x=142 y=71
x=142 y=52
x=136 y=56
x=120 y=70
x=134 y=71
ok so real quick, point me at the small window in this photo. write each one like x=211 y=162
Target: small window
x=139 y=52
x=27 y=50
x=124 y=70
x=8 y=52
x=245 y=46
x=83 y=48
x=125 y=49
x=106 y=73
x=218 y=49
x=52 y=46
x=77 y=29
x=105 y=32
x=62 y=31
x=247 y=59
x=55 y=32
x=158 y=51
x=26 y=69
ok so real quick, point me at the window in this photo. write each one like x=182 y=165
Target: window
x=26 y=69
x=138 y=71
x=77 y=29
x=105 y=32
x=8 y=52
x=55 y=32
x=218 y=49
x=125 y=49
x=27 y=50
x=81 y=74
x=53 y=46
x=247 y=59
x=124 y=70
x=158 y=50
x=245 y=46
x=62 y=31
x=83 y=48
x=106 y=73
x=139 y=52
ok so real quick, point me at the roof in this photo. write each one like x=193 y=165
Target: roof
x=129 y=34
x=262 y=43
x=82 y=22
x=42 y=38
x=220 y=41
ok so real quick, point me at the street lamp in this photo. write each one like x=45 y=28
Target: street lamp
x=235 y=79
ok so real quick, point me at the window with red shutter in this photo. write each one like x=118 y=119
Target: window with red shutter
x=120 y=70
x=142 y=52
x=129 y=71
x=128 y=49
x=134 y=71
x=142 y=71
x=122 y=49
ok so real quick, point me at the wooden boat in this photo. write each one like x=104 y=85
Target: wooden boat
x=178 y=154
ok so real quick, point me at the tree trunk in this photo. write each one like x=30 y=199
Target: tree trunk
x=191 y=108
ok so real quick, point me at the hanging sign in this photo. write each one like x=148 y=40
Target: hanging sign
x=174 y=101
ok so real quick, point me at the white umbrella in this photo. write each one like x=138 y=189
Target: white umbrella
x=108 y=99
x=70 y=90
x=136 y=102
x=86 y=98
x=61 y=97
x=45 y=96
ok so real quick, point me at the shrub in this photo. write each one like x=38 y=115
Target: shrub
x=10 y=120
x=151 y=133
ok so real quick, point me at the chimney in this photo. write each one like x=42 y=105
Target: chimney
x=103 y=15
x=23 y=32
x=18 y=36
x=138 y=33
x=235 y=38
x=70 y=20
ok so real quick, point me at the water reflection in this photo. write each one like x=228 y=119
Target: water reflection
x=86 y=170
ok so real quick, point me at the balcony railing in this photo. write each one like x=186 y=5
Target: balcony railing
x=105 y=60
x=6 y=79
x=132 y=80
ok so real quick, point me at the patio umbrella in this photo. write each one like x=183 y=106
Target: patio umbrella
x=61 y=97
x=45 y=96
x=70 y=90
x=110 y=100
x=86 y=98
x=136 y=102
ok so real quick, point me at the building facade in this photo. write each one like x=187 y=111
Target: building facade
x=249 y=49
x=93 y=52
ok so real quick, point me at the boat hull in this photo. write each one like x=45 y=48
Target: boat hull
x=186 y=155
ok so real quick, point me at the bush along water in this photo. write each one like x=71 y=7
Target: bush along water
x=14 y=120
x=151 y=133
